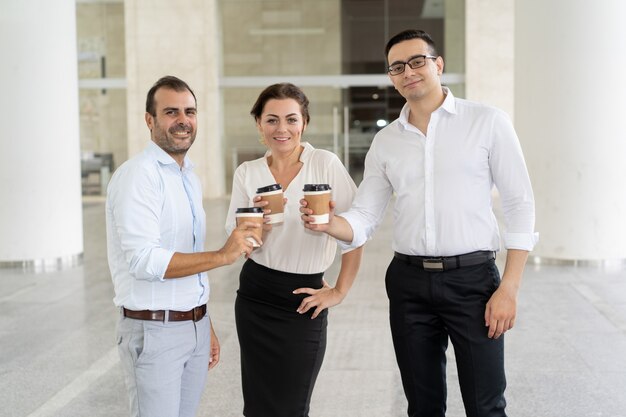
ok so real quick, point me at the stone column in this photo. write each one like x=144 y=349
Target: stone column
x=40 y=189
x=454 y=38
x=570 y=63
x=180 y=39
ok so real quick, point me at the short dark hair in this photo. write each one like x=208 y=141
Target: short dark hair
x=281 y=91
x=409 y=34
x=171 y=82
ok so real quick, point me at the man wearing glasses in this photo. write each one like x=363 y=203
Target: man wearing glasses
x=441 y=158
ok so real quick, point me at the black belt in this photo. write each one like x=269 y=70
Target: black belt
x=445 y=263
x=195 y=314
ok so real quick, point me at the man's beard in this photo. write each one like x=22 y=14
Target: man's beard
x=168 y=141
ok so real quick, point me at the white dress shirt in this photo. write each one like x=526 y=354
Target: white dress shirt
x=153 y=209
x=289 y=247
x=443 y=183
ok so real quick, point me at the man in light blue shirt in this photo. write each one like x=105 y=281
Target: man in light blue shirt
x=155 y=242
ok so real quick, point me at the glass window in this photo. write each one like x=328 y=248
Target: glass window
x=101 y=57
x=313 y=45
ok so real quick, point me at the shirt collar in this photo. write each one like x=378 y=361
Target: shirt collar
x=164 y=158
x=448 y=105
x=304 y=156
x=307 y=152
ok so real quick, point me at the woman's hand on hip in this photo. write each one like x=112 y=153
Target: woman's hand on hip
x=319 y=299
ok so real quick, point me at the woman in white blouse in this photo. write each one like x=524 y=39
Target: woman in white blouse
x=282 y=301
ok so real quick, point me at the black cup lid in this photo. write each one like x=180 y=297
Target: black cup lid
x=249 y=210
x=316 y=187
x=268 y=188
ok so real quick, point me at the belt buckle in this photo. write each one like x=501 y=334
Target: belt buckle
x=432 y=264
x=194 y=313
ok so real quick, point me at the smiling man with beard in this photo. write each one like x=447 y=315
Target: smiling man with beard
x=155 y=242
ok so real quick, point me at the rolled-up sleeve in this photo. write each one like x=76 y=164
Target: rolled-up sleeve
x=511 y=178
x=359 y=236
x=136 y=205
x=522 y=241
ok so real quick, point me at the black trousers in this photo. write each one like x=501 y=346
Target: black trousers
x=281 y=350
x=427 y=308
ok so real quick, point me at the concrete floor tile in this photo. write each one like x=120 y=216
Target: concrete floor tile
x=566 y=357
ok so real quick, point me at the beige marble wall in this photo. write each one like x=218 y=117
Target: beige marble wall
x=181 y=39
x=489 y=46
x=278 y=38
x=281 y=37
x=100 y=33
x=454 y=36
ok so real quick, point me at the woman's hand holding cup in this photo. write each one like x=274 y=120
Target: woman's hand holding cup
x=310 y=221
x=267 y=221
x=270 y=199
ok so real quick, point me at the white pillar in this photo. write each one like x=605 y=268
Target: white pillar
x=40 y=190
x=570 y=63
x=180 y=39
x=489 y=52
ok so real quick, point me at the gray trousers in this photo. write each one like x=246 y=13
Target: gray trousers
x=165 y=365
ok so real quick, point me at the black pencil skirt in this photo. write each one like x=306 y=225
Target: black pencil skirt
x=281 y=350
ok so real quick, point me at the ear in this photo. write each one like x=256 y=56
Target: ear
x=260 y=130
x=149 y=121
x=440 y=64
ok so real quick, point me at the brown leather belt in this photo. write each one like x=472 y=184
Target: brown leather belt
x=196 y=314
x=445 y=263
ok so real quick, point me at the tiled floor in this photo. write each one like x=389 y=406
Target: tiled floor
x=565 y=358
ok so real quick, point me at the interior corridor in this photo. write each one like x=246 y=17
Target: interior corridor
x=565 y=358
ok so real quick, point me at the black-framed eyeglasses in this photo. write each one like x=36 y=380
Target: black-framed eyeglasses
x=414 y=62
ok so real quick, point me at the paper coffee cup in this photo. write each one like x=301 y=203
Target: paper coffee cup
x=317 y=197
x=254 y=215
x=274 y=195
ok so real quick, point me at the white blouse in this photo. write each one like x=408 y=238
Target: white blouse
x=289 y=247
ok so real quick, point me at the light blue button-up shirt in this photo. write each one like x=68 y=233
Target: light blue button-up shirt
x=154 y=209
